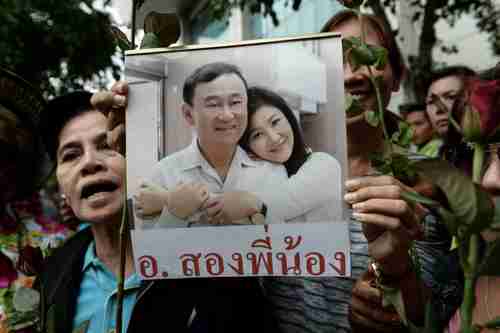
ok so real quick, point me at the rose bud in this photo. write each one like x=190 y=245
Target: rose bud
x=480 y=120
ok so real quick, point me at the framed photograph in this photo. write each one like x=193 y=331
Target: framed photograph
x=236 y=159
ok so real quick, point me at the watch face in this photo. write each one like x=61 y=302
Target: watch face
x=258 y=219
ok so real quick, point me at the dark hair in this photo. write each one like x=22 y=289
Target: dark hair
x=463 y=72
x=258 y=97
x=58 y=112
x=208 y=73
x=406 y=109
x=386 y=37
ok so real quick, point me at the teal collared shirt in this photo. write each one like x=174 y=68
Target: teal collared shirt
x=97 y=301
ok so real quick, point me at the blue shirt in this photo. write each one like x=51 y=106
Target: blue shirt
x=97 y=301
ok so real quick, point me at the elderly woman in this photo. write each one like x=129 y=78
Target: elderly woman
x=26 y=232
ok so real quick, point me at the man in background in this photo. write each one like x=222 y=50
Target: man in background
x=425 y=139
x=445 y=86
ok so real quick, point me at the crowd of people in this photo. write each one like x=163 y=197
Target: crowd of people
x=77 y=136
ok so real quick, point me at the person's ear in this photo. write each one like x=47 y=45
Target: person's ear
x=187 y=113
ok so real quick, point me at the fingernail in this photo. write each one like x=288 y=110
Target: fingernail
x=119 y=100
x=357 y=206
x=358 y=216
x=351 y=183
x=349 y=197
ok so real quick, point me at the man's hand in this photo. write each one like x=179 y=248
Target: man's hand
x=113 y=104
x=389 y=222
x=150 y=200
x=231 y=206
x=185 y=199
x=366 y=313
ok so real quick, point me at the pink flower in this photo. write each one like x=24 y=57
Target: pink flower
x=8 y=273
x=480 y=119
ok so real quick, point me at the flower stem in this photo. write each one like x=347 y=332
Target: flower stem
x=373 y=81
x=471 y=262
x=470 y=272
x=478 y=161
x=123 y=243
x=123 y=257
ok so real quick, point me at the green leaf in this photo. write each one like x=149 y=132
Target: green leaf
x=363 y=55
x=352 y=105
x=403 y=168
x=403 y=137
x=372 y=118
x=381 y=56
x=451 y=222
x=471 y=206
x=350 y=42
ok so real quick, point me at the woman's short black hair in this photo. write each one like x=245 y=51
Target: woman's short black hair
x=58 y=112
x=259 y=97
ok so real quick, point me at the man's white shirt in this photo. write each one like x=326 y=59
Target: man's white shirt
x=261 y=178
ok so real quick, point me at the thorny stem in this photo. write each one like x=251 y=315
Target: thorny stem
x=373 y=82
x=470 y=272
x=472 y=259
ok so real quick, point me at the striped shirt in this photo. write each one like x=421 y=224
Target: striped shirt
x=320 y=305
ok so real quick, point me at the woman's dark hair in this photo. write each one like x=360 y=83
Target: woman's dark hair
x=259 y=97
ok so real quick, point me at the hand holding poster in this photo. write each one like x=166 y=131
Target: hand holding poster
x=238 y=191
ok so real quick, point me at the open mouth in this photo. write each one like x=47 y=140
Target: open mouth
x=360 y=94
x=90 y=190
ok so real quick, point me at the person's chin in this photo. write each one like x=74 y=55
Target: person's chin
x=105 y=214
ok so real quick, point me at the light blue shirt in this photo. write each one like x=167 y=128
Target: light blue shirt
x=97 y=301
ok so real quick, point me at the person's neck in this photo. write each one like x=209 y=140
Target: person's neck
x=362 y=140
x=107 y=246
x=219 y=157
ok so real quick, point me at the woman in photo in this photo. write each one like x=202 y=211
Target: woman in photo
x=313 y=191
